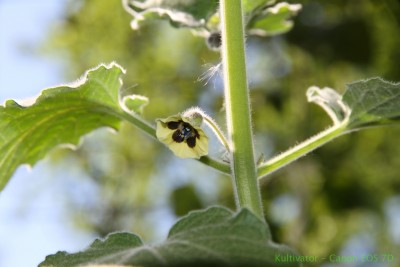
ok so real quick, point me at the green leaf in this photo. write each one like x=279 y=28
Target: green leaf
x=212 y=237
x=181 y=13
x=60 y=115
x=130 y=102
x=100 y=251
x=274 y=20
x=365 y=103
x=134 y=103
x=372 y=102
x=331 y=101
x=252 y=5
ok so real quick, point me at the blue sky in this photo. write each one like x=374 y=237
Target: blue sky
x=32 y=223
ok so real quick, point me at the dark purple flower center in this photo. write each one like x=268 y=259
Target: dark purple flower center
x=184 y=132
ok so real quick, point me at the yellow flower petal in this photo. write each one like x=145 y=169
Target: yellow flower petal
x=182 y=149
x=163 y=133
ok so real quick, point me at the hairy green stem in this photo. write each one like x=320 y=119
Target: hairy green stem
x=217 y=131
x=301 y=150
x=238 y=107
x=216 y=164
x=139 y=123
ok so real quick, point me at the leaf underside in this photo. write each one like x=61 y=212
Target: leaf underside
x=274 y=20
x=366 y=103
x=213 y=237
x=181 y=13
x=372 y=102
x=202 y=15
x=252 y=5
x=60 y=115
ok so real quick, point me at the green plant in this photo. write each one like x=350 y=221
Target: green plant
x=62 y=115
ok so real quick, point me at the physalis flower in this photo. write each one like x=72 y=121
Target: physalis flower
x=183 y=135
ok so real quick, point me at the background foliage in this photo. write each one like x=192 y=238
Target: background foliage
x=321 y=204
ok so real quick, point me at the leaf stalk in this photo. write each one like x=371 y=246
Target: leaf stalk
x=301 y=150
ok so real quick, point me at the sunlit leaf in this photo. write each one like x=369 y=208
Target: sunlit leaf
x=134 y=103
x=204 y=17
x=59 y=116
x=331 y=101
x=184 y=13
x=372 y=102
x=365 y=103
x=251 y=5
x=212 y=237
x=274 y=20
